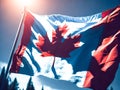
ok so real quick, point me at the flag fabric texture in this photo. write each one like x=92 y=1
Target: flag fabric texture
x=82 y=50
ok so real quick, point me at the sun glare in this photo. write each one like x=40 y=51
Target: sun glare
x=26 y=3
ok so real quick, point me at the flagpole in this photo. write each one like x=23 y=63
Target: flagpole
x=15 y=42
x=13 y=49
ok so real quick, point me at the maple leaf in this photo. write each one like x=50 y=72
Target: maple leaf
x=59 y=47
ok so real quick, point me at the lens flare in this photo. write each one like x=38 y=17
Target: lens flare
x=26 y=2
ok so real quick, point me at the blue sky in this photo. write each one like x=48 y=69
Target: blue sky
x=11 y=11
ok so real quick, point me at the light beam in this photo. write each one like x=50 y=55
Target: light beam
x=26 y=2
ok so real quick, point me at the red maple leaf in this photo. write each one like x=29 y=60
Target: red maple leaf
x=59 y=47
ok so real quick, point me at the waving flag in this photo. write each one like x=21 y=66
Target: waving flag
x=83 y=50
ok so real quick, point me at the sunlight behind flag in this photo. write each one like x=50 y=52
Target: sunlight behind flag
x=26 y=3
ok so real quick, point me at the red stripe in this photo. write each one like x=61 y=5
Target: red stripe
x=17 y=58
x=105 y=61
x=28 y=22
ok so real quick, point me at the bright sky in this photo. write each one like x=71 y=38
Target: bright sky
x=11 y=11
